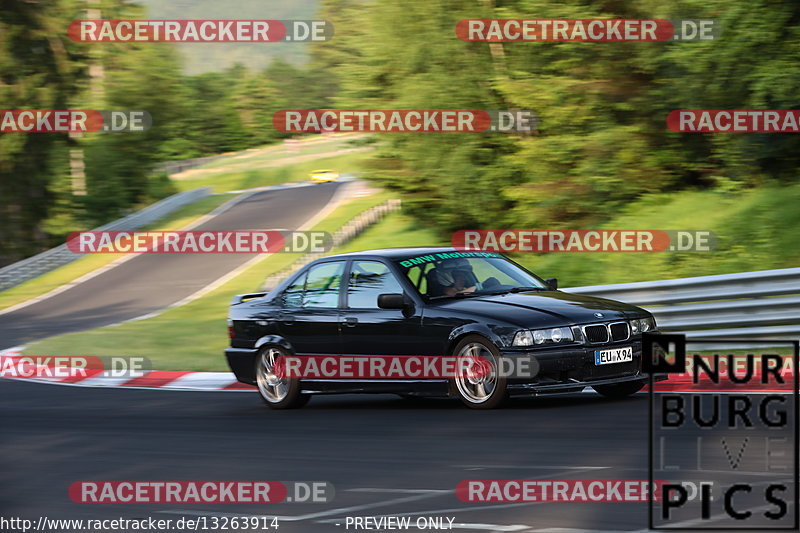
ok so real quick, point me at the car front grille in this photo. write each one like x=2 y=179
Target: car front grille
x=619 y=331
x=596 y=333
x=602 y=333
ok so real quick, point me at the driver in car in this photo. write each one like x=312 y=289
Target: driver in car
x=455 y=276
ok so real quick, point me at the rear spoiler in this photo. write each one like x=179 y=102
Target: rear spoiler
x=239 y=298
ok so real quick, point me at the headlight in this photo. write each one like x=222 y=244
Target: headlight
x=641 y=325
x=542 y=336
x=523 y=338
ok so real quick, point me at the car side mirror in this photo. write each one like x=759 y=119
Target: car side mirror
x=552 y=283
x=392 y=301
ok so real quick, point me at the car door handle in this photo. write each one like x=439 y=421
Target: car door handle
x=288 y=321
x=350 y=321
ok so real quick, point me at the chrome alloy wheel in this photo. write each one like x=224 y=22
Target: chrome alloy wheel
x=477 y=379
x=272 y=388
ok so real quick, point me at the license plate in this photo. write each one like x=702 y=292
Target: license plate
x=615 y=355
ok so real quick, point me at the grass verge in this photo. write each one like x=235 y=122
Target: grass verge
x=395 y=231
x=754 y=228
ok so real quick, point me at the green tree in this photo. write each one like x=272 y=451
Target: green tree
x=602 y=139
x=39 y=69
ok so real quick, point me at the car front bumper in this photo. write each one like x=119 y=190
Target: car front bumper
x=572 y=368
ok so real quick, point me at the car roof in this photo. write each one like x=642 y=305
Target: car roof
x=395 y=253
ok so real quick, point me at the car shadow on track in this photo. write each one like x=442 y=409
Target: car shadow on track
x=391 y=402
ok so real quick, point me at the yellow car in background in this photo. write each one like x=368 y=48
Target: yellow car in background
x=324 y=176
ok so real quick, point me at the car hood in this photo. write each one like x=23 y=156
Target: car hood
x=551 y=308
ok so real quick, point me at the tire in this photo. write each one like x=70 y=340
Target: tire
x=480 y=392
x=618 y=391
x=277 y=393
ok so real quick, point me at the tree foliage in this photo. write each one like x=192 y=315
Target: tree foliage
x=602 y=139
x=193 y=115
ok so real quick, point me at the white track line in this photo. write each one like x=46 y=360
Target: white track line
x=334 y=202
x=202 y=381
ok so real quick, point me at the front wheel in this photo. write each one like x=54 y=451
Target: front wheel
x=277 y=392
x=482 y=386
x=619 y=390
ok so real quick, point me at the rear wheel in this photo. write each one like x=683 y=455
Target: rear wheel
x=482 y=386
x=620 y=390
x=277 y=392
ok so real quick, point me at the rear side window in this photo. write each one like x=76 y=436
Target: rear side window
x=317 y=288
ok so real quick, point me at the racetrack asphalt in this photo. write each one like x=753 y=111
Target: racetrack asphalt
x=383 y=454
x=150 y=282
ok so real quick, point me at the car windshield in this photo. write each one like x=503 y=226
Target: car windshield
x=462 y=274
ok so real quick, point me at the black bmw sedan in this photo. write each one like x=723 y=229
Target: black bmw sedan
x=394 y=307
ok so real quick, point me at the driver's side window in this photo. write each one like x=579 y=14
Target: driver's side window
x=368 y=279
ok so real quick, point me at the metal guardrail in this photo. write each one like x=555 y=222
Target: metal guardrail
x=747 y=306
x=346 y=233
x=34 y=266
